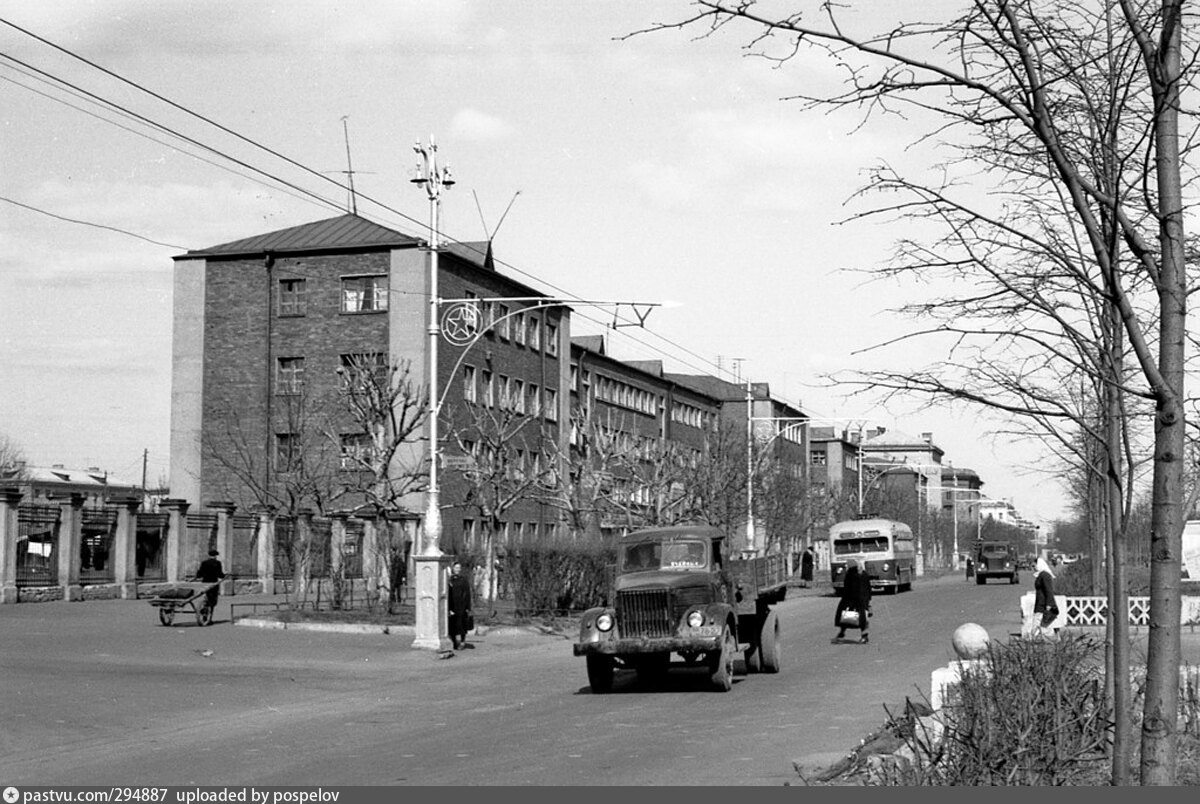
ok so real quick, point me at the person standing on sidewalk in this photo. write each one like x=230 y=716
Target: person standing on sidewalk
x=458 y=601
x=807 y=561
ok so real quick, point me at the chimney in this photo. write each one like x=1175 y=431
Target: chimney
x=927 y=438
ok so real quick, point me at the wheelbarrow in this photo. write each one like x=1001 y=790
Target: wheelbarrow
x=189 y=596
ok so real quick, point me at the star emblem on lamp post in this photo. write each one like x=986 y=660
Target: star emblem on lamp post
x=460 y=323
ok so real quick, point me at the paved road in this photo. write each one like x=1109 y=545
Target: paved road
x=100 y=693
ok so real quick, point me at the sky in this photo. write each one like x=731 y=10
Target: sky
x=663 y=168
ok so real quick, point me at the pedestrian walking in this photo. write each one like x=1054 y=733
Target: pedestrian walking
x=1045 y=605
x=970 y=568
x=855 y=601
x=211 y=571
x=458 y=601
x=807 y=561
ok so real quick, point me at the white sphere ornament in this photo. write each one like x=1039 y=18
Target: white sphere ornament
x=970 y=641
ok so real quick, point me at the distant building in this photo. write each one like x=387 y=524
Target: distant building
x=44 y=484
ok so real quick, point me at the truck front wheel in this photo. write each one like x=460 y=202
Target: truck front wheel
x=722 y=662
x=600 y=673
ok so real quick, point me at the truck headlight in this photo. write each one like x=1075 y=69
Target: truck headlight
x=604 y=622
x=885 y=566
x=695 y=619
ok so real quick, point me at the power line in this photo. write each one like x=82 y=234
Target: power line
x=281 y=156
x=90 y=223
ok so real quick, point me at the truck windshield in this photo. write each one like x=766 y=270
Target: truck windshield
x=1000 y=550
x=866 y=542
x=665 y=556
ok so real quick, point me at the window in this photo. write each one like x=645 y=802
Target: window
x=356 y=450
x=502 y=321
x=469 y=391
x=533 y=332
x=517 y=399
x=359 y=369
x=505 y=393
x=518 y=328
x=364 y=294
x=818 y=457
x=293 y=297
x=489 y=389
x=552 y=341
x=532 y=400
x=287 y=451
x=290 y=378
x=551 y=408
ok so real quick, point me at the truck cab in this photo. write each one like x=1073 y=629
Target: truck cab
x=677 y=592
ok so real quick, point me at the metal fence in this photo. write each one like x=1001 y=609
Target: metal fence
x=244 y=559
x=97 y=534
x=37 y=545
x=150 y=552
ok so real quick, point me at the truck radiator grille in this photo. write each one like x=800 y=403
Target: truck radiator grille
x=645 y=613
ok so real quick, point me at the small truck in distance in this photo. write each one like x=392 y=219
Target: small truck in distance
x=676 y=591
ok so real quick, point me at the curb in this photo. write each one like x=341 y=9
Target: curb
x=341 y=628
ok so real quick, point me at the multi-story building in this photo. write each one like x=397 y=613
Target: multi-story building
x=266 y=328
x=631 y=409
x=897 y=461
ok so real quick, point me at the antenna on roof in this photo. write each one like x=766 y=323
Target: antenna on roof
x=352 y=199
x=492 y=234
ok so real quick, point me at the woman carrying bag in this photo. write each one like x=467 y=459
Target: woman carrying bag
x=854 y=607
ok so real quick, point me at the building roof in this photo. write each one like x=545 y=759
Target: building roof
x=340 y=233
x=92 y=477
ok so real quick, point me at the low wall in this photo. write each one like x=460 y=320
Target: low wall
x=1090 y=610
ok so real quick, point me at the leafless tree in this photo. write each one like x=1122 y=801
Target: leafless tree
x=1051 y=108
x=12 y=460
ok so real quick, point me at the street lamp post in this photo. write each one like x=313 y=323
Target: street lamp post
x=431 y=616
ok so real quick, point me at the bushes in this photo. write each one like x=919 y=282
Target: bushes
x=1032 y=713
x=557 y=576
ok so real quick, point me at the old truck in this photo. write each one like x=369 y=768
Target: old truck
x=676 y=591
x=994 y=559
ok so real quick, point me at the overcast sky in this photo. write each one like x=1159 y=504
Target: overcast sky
x=661 y=168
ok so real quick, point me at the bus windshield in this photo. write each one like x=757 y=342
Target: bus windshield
x=675 y=555
x=871 y=541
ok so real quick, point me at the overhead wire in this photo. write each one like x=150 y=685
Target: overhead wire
x=80 y=92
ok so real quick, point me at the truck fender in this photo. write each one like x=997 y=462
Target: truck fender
x=588 y=630
x=717 y=613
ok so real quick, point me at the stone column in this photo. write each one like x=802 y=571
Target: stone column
x=176 y=533
x=265 y=540
x=224 y=511
x=302 y=537
x=70 y=535
x=125 y=547
x=10 y=533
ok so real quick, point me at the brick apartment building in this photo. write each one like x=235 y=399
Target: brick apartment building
x=262 y=326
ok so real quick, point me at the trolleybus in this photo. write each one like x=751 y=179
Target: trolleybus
x=885 y=546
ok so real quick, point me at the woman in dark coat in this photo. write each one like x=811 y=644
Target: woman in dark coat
x=806 y=566
x=856 y=596
x=458 y=601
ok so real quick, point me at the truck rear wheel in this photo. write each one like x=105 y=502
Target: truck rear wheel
x=722 y=662
x=600 y=673
x=768 y=644
x=753 y=658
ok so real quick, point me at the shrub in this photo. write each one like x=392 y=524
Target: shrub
x=1032 y=713
x=557 y=576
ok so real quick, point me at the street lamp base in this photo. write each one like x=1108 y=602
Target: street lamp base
x=432 y=620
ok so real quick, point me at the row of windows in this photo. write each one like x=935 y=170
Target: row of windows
x=354 y=369
x=525 y=464
x=509 y=393
x=520 y=531
x=358 y=294
x=626 y=395
x=523 y=328
x=690 y=415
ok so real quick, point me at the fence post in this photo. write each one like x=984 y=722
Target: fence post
x=176 y=533
x=225 y=511
x=70 y=536
x=10 y=535
x=125 y=547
